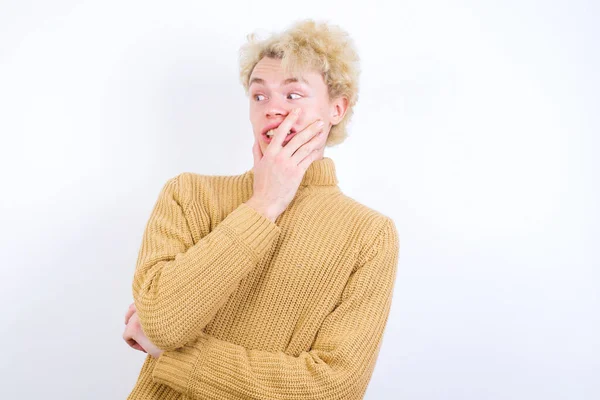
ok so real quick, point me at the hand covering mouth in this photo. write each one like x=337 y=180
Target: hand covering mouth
x=271 y=132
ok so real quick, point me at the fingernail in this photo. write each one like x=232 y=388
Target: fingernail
x=296 y=111
x=320 y=123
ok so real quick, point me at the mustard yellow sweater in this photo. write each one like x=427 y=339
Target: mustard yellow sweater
x=247 y=308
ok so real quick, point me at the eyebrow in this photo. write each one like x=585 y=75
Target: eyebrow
x=285 y=82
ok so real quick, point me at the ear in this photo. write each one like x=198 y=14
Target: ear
x=338 y=109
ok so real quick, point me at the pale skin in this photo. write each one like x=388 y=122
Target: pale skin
x=279 y=165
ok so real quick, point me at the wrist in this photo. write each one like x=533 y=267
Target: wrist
x=263 y=209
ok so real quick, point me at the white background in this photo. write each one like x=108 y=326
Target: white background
x=476 y=131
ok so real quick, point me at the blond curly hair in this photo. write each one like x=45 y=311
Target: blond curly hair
x=316 y=45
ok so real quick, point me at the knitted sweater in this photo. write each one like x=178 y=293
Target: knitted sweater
x=248 y=308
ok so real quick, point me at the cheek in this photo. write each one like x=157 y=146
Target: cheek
x=253 y=117
x=310 y=117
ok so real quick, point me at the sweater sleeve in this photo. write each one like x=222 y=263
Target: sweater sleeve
x=339 y=364
x=179 y=286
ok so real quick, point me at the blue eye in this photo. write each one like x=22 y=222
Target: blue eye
x=255 y=97
x=291 y=94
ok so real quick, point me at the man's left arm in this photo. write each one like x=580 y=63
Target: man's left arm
x=339 y=364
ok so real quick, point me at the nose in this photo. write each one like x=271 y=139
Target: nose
x=277 y=109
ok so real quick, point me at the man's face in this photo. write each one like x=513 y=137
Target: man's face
x=273 y=95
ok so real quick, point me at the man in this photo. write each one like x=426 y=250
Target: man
x=271 y=284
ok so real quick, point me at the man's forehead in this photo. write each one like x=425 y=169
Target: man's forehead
x=292 y=79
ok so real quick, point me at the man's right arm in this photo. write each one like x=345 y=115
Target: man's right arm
x=179 y=286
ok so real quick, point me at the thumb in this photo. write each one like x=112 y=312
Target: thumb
x=256 y=153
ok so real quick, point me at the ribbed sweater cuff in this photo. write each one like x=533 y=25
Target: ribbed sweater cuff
x=256 y=231
x=175 y=368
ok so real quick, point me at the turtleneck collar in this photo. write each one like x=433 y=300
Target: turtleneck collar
x=319 y=173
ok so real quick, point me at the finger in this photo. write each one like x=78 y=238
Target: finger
x=284 y=128
x=135 y=345
x=130 y=333
x=314 y=145
x=131 y=341
x=305 y=163
x=301 y=138
x=128 y=337
x=130 y=312
x=256 y=153
x=138 y=347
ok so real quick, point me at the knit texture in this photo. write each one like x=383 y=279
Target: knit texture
x=248 y=308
